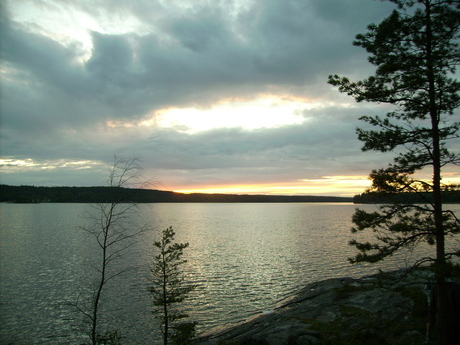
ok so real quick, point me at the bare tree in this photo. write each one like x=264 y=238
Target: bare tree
x=114 y=226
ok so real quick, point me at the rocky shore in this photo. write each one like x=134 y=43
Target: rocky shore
x=387 y=308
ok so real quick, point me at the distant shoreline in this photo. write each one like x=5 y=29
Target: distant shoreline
x=34 y=194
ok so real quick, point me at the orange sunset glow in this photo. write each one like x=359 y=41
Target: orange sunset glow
x=330 y=185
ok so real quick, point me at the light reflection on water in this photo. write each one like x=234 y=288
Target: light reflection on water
x=244 y=258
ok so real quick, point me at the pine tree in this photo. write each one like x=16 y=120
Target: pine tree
x=416 y=52
x=169 y=287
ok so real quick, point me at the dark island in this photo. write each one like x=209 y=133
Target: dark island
x=33 y=194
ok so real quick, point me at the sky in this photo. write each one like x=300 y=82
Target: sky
x=214 y=96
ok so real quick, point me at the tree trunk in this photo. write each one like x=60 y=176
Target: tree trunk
x=442 y=317
x=165 y=303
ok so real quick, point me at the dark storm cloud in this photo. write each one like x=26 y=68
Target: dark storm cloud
x=193 y=57
x=54 y=105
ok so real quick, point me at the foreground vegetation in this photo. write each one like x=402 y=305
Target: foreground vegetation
x=415 y=52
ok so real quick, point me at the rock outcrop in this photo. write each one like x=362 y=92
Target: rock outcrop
x=387 y=308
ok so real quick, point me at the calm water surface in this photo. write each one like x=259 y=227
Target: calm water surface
x=244 y=258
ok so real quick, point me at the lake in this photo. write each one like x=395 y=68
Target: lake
x=244 y=258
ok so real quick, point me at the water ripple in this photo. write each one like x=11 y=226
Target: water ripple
x=244 y=258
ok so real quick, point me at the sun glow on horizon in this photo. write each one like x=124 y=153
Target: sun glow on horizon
x=345 y=186
x=342 y=186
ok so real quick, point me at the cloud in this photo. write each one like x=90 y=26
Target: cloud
x=83 y=80
x=275 y=45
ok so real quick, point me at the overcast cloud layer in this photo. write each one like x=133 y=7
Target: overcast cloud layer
x=84 y=80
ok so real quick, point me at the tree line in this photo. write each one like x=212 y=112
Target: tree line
x=448 y=197
x=31 y=194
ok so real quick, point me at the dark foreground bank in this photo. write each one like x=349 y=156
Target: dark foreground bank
x=388 y=308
